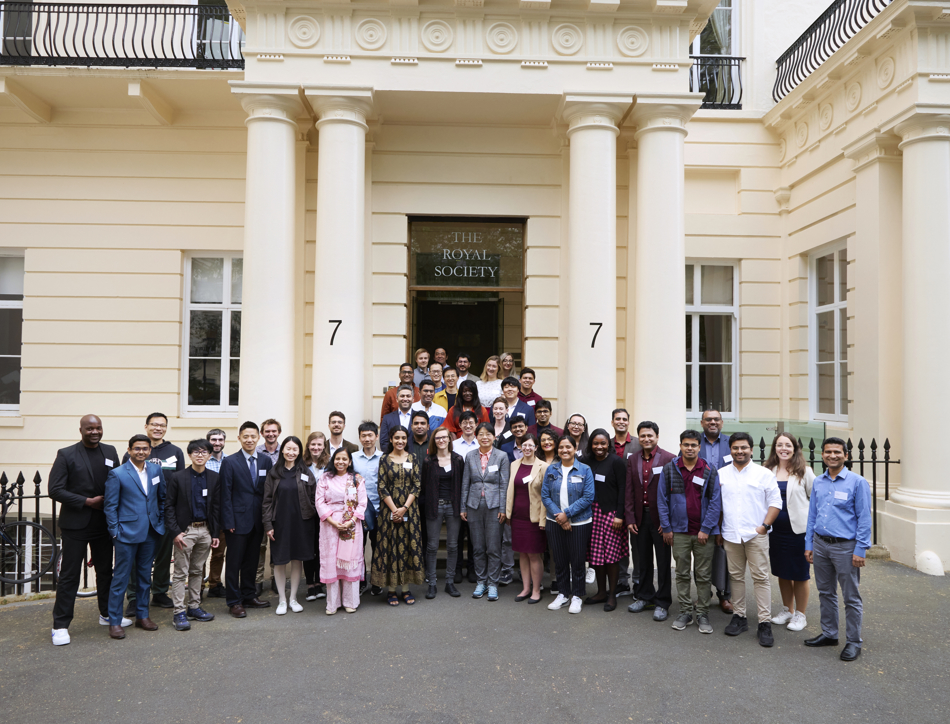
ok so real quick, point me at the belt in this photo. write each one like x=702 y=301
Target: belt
x=444 y=502
x=832 y=539
x=199 y=523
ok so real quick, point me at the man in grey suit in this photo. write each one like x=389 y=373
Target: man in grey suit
x=484 y=492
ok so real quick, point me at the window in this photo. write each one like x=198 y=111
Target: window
x=212 y=331
x=717 y=37
x=11 y=330
x=711 y=314
x=829 y=336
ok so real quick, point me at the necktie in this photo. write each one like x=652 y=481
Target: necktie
x=252 y=466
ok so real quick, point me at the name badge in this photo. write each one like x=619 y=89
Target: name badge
x=493 y=468
x=629 y=454
x=577 y=479
x=841 y=495
x=698 y=479
x=407 y=465
x=530 y=403
x=507 y=435
x=109 y=463
x=447 y=468
x=204 y=493
x=351 y=490
x=155 y=481
x=305 y=478
x=261 y=473
x=657 y=471
x=600 y=478
x=728 y=458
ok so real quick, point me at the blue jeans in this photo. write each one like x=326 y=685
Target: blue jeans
x=129 y=557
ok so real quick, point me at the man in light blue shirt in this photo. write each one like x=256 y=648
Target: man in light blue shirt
x=714 y=449
x=836 y=541
x=366 y=464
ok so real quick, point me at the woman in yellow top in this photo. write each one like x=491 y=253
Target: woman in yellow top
x=525 y=513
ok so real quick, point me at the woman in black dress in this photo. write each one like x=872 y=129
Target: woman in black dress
x=608 y=542
x=289 y=519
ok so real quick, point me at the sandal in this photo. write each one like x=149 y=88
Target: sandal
x=392 y=599
x=408 y=598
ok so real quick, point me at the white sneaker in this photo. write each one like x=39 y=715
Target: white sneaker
x=576 y=605
x=559 y=602
x=281 y=608
x=591 y=576
x=126 y=622
x=60 y=636
x=295 y=607
x=798 y=622
x=783 y=618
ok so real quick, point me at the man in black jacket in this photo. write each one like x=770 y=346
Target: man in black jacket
x=192 y=520
x=78 y=482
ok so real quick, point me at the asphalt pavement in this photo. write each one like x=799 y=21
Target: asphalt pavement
x=467 y=660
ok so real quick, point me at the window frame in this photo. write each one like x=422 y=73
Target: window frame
x=220 y=410
x=7 y=409
x=813 y=311
x=694 y=311
x=734 y=39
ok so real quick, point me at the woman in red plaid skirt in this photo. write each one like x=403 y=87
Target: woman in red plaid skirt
x=608 y=542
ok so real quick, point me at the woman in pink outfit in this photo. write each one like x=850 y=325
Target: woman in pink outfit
x=341 y=502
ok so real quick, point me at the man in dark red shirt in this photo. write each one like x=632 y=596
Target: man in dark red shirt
x=624 y=445
x=542 y=413
x=689 y=505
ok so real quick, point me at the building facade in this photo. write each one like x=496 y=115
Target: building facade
x=271 y=229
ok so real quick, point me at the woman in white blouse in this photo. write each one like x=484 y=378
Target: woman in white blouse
x=489 y=386
x=787 y=537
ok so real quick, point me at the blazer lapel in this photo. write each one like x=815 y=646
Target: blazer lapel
x=133 y=475
x=80 y=451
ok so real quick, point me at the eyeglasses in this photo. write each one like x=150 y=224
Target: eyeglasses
x=199 y=453
x=575 y=424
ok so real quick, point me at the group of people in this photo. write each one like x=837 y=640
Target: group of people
x=479 y=457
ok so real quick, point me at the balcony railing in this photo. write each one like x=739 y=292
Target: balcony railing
x=833 y=28
x=130 y=36
x=720 y=78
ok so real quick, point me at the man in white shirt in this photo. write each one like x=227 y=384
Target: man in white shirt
x=751 y=502
x=436 y=413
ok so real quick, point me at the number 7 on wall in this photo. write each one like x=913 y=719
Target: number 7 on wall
x=336 y=329
x=594 y=340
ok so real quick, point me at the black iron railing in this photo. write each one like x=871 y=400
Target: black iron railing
x=31 y=511
x=130 y=36
x=833 y=28
x=720 y=78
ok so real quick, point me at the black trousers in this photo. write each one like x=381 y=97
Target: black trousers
x=649 y=539
x=311 y=569
x=569 y=553
x=240 y=565
x=463 y=559
x=73 y=558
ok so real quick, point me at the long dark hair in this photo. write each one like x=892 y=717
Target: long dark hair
x=458 y=409
x=541 y=454
x=331 y=467
x=299 y=464
x=582 y=443
x=392 y=434
x=589 y=448
x=796 y=464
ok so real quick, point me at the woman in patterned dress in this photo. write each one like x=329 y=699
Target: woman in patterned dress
x=398 y=560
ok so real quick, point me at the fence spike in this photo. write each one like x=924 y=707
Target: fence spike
x=873 y=444
x=887 y=443
x=3 y=481
x=19 y=482
x=861 y=443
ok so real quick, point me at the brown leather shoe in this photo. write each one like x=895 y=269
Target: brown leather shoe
x=726 y=605
x=146 y=623
x=116 y=632
x=238 y=611
x=256 y=603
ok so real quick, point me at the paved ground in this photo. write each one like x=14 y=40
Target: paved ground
x=466 y=660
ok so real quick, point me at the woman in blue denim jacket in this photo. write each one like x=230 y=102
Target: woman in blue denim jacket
x=567 y=492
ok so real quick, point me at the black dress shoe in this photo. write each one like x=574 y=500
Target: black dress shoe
x=216 y=591
x=821 y=640
x=431 y=593
x=850 y=652
x=162 y=600
x=451 y=589
x=256 y=603
x=472 y=578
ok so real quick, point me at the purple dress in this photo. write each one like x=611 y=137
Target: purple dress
x=526 y=537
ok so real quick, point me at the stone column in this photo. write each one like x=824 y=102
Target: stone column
x=592 y=254
x=926 y=308
x=267 y=377
x=339 y=355
x=660 y=286
x=876 y=302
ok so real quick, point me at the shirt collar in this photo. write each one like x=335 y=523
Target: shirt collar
x=365 y=456
x=247 y=455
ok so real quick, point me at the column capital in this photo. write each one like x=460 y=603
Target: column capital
x=593 y=110
x=269 y=101
x=334 y=104
x=664 y=111
x=871 y=148
x=924 y=127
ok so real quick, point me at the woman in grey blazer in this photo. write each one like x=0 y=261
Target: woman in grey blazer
x=484 y=492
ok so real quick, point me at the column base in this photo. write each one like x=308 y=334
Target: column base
x=916 y=537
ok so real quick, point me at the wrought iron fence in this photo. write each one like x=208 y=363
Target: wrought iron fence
x=131 y=36
x=833 y=28
x=32 y=512
x=720 y=78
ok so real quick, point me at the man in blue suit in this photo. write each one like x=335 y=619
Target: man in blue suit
x=134 y=505
x=242 y=495
x=714 y=449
